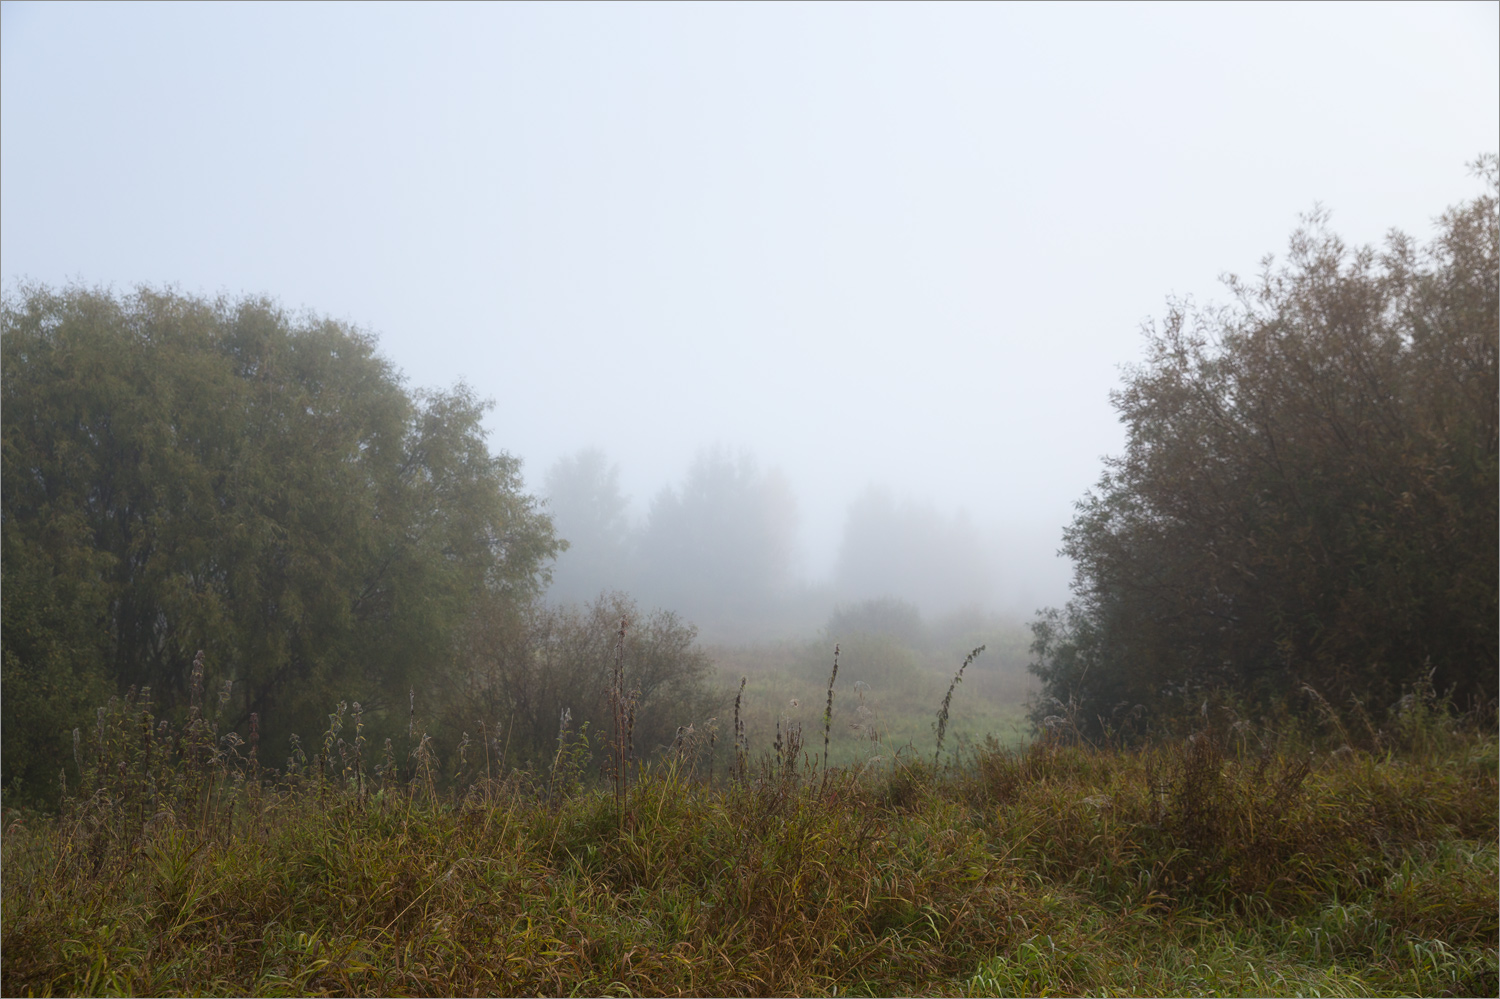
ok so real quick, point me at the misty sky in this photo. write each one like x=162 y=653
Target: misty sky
x=898 y=245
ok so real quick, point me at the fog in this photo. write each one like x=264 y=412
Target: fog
x=723 y=547
x=782 y=307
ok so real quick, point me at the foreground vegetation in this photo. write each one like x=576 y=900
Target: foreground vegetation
x=1234 y=862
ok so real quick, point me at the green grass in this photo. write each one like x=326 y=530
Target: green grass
x=899 y=690
x=1192 y=868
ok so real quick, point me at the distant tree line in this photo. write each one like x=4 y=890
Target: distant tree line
x=1308 y=494
x=721 y=547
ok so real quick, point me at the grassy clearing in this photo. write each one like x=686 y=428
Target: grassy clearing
x=886 y=699
x=1203 y=867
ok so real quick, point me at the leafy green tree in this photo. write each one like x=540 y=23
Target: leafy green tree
x=1308 y=495
x=182 y=473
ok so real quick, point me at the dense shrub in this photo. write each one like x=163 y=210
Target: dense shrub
x=184 y=473
x=522 y=668
x=1308 y=495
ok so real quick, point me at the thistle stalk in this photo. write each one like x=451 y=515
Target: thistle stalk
x=942 y=718
x=828 y=712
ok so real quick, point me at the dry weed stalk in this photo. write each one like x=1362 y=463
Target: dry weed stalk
x=828 y=711
x=942 y=717
x=622 y=710
x=740 y=747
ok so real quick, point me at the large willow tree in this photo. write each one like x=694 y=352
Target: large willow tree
x=182 y=473
x=1308 y=495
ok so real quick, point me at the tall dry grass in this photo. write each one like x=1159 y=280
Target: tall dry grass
x=1235 y=861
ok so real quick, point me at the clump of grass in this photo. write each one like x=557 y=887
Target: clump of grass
x=865 y=724
x=786 y=750
x=568 y=761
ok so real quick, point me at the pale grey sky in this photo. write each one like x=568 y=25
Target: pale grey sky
x=907 y=245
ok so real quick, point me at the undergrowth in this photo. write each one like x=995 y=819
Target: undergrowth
x=1215 y=865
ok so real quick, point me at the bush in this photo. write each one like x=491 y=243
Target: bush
x=1308 y=493
x=184 y=473
x=522 y=667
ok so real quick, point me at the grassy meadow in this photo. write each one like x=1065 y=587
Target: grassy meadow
x=887 y=692
x=1236 y=861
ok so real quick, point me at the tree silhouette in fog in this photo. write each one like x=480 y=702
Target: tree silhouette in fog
x=590 y=513
x=721 y=546
x=912 y=552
